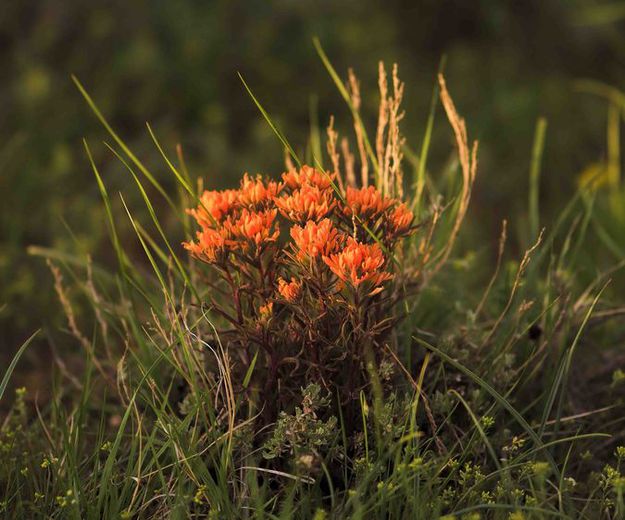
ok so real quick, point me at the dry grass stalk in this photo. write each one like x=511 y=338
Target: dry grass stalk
x=333 y=153
x=502 y=245
x=71 y=320
x=349 y=160
x=395 y=139
x=517 y=282
x=388 y=153
x=389 y=140
x=58 y=360
x=97 y=306
x=67 y=306
x=121 y=379
x=468 y=165
x=354 y=89
x=382 y=122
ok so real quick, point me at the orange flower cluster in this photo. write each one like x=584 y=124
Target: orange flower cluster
x=256 y=192
x=366 y=203
x=310 y=197
x=315 y=239
x=215 y=206
x=324 y=227
x=358 y=263
x=306 y=203
x=401 y=219
x=209 y=246
x=233 y=220
x=254 y=227
x=310 y=298
x=308 y=176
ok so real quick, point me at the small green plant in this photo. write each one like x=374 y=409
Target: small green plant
x=303 y=437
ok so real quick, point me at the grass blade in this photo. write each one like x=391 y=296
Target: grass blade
x=122 y=145
x=569 y=357
x=496 y=395
x=152 y=212
x=419 y=180
x=7 y=375
x=283 y=140
x=537 y=153
x=341 y=88
x=479 y=428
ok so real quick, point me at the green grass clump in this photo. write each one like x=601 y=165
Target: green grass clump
x=497 y=393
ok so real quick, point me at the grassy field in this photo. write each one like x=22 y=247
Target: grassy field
x=334 y=342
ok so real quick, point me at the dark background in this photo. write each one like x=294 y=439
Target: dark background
x=174 y=64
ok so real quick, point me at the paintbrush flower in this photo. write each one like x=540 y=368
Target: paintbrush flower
x=290 y=291
x=210 y=244
x=253 y=228
x=306 y=203
x=401 y=219
x=366 y=203
x=256 y=192
x=215 y=206
x=315 y=239
x=308 y=176
x=358 y=263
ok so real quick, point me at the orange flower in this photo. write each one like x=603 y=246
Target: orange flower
x=401 y=219
x=255 y=192
x=290 y=291
x=214 y=207
x=266 y=310
x=308 y=176
x=315 y=239
x=358 y=263
x=254 y=227
x=210 y=243
x=307 y=203
x=366 y=202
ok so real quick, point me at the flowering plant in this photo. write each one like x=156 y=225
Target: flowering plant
x=310 y=268
x=309 y=273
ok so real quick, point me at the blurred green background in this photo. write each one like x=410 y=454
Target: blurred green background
x=174 y=64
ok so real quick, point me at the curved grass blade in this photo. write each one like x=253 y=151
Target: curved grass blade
x=569 y=358
x=479 y=428
x=181 y=179
x=119 y=251
x=283 y=140
x=341 y=88
x=157 y=271
x=122 y=145
x=7 y=375
x=496 y=395
x=419 y=180
x=152 y=212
